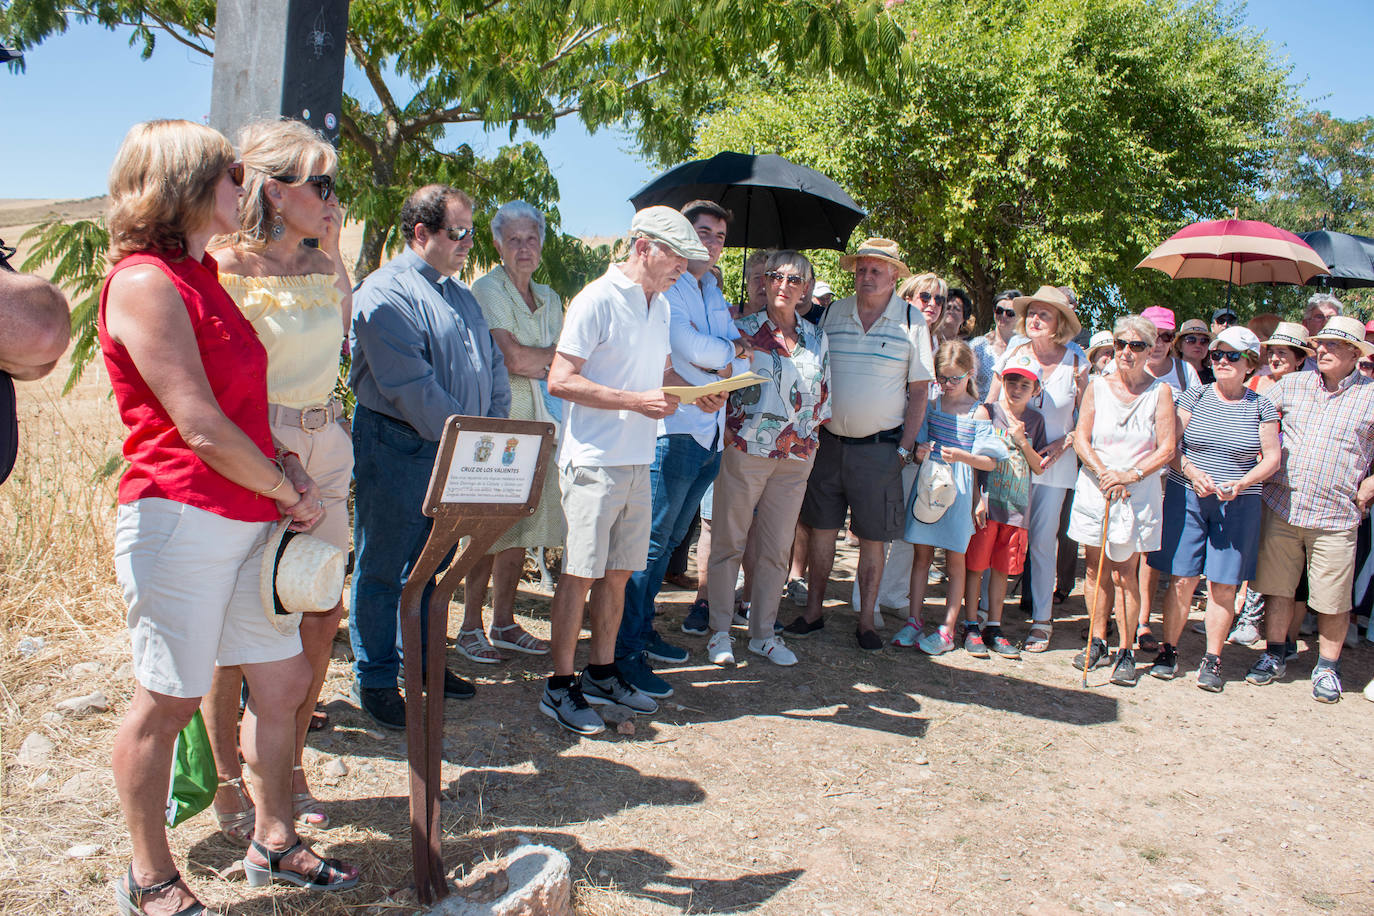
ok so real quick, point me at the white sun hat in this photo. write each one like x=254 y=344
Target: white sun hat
x=301 y=574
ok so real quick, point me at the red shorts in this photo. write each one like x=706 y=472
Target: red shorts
x=997 y=545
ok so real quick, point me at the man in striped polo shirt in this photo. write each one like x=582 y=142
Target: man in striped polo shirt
x=881 y=368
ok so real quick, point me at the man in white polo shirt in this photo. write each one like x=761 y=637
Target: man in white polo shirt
x=610 y=365
x=880 y=372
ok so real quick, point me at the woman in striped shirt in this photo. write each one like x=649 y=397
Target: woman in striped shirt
x=1228 y=445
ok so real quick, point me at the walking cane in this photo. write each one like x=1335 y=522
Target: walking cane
x=1097 y=588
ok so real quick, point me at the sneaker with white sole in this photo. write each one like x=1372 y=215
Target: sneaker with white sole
x=797 y=592
x=936 y=642
x=1326 y=685
x=773 y=649
x=616 y=691
x=567 y=707
x=720 y=649
x=1369 y=691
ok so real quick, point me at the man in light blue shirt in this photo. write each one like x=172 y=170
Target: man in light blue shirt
x=705 y=342
x=421 y=353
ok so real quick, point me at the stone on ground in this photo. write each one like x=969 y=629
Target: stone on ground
x=530 y=880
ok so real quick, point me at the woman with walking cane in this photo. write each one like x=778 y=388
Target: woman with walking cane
x=1125 y=437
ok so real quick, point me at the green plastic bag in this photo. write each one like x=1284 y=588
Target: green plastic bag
x=194 y=779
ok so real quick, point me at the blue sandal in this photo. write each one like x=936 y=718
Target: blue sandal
x=327 y=875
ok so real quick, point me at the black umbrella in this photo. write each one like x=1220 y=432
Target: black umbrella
x=9 y=54
x=776 y=203
x=1349 y=257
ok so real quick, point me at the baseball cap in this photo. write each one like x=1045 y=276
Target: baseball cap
x=1239 y=338
x=1021 y=364
x=1160 y=317
x=669 y=226
x=822 y=289
x=935 y=491
x=1223 y=311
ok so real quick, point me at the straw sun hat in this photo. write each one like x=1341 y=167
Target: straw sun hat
x=308 y=575
x=1054 y=297
x=880 y=250
x=1291 y=334
x=1344 y=329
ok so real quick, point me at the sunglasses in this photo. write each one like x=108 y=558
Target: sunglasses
x=1366 y=366
x=1196 y=339
x=778 y=276
x=1225 y=320
x=455 y=234
x=925 y=298
x=325 y=183
x=1230 y=356
x=1137 y=346
x=1166 y=336
x=947 y=380
x=235 y=171
x=1004 y=313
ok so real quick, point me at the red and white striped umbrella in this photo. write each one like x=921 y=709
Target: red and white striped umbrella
x=1239 y=251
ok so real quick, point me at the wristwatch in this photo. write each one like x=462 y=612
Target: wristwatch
x=904 y=454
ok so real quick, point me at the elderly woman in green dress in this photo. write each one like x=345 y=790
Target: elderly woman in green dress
x=525 y=319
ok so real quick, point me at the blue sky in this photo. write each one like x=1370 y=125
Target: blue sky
x=64 y=116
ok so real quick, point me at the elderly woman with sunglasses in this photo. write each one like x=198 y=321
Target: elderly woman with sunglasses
x=1048 y=323
x=298 y=299
x=928 y=293
x=1228 y=446
x=988 y=348
x=204 y=489
x=1125 y=438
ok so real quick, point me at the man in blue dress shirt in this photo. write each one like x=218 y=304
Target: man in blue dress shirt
x=421 y=353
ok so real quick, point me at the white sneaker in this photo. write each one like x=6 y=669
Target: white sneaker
x=1369 y=691
x=720 y=649
x=773 y=649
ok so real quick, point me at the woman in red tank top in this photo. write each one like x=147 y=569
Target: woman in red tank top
x=197 y=503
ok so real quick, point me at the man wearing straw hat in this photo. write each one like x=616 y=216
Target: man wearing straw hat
x=1314 y=503
x=881 y=367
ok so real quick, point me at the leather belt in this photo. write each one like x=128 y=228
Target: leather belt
x=310 y=419
x=888 y=435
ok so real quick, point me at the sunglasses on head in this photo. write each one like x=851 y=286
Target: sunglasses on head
x=1230 y=356
x=1003 y=313
x=925 y=298
x=1195 y=339
x=1137 y=346
x=1166 y=336
x=778 y=276
x=324 y=183
x=235 y=171
x=947 y=380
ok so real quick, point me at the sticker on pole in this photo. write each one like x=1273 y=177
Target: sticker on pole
x=491 y=467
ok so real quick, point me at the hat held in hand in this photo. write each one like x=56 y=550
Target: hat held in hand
x=935 y=491
x=301 y=574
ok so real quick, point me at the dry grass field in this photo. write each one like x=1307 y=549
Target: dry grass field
x=851 y=784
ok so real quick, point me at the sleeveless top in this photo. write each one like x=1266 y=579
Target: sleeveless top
x=1057 y=405
x=1123 y=434
x=161 y=464
x=297 y=320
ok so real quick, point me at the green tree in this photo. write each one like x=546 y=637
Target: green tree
x=1038 y=141
x=650 y=66
x=1321 y=175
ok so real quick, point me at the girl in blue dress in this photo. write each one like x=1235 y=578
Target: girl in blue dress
x=950 y=435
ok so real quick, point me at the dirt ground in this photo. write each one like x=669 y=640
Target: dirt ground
x=888 y=783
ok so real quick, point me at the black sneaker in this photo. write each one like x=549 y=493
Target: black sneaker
x=1099 y=654
x=803 y=627
x=455 y=688
x=1123 y=675
x=383 y=704
x=1209 y=675
x=697 y=621
x=1166 y=663
x=1266 y=670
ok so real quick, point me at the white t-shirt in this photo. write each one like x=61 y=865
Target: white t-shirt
x=625 y=345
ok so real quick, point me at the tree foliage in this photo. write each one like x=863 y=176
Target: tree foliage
x=650 y=66
x=1322 y=175
x=76 y=251
x=1039 y=141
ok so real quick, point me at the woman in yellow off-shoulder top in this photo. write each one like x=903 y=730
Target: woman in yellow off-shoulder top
x=298 y=299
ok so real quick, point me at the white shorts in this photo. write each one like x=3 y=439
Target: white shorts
x=190 y=579
x=609 y=513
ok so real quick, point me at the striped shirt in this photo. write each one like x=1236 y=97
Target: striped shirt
x=1223 y=437
x=870 y=370
x=1328 y=447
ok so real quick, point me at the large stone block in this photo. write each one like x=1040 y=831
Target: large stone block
x=528 y=881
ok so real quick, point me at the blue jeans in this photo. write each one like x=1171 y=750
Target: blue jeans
x=681 y=472
x=391 y=467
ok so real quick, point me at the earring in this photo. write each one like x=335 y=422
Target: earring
x=278 y=228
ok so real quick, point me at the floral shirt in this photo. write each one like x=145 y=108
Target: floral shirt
x=782 y=417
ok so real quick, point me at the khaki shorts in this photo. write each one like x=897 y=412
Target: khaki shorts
x=1329 y=557
x=190 y=579
x=327 y=454
x=609 y=511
